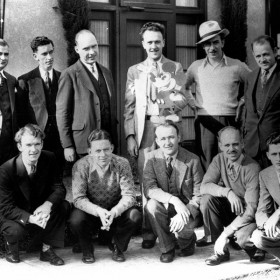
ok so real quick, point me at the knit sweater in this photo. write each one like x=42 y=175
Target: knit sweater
x=217 y=87
x=114 y=191
x=245 y=186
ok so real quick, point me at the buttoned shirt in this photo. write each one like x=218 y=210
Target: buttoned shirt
x=92 y=69
x=217 y=87
x=44 y=75
x=270 y=71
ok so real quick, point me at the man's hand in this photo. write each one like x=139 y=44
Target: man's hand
x=177 y=224
x=239 y=110
x=45 y=208
x=132 y=146
x=70 y=154
x=39 y=220
x=181 y=208
x=236 y=203
x=113 y=215
x=220 y=244
x=104 y=216
x=270 y=227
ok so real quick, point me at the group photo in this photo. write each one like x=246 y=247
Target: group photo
x=140 y=139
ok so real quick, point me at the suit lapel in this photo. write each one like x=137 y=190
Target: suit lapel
x=180 y=168
x=11 y=90
x=160 y=169
x=83 y=76
x=107 y=79
x=273 y=184
x=36 y=84
x=252 y=87
x=274 y=87
x=23 y=179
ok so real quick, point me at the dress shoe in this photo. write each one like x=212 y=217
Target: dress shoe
x=217 y=259
x=203 y=242
x=12 y=252
x=51 y=257
x=259 y=256
x=117 y=254
x=168 y=256
x=76 y=249
x=88 y=257
x=148 y=244
x=188 y=251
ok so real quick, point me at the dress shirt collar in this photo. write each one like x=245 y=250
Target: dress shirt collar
x=101 y=171
x=89 y=67
x=223 y=60
x=43 y=73
x=2 y=72
x=236 y=164
x=270 y=71
x=174 y=157
x=151 y=62
x=28 y=166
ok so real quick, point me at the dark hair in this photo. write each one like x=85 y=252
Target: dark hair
x=40 y=41
x=273 y=139
x=168 y=123
x=3 y=43
x=98 y=134
x=233 y=128
x=264 y=39
x=153 y=26
x=81 y=32
x=31 y=129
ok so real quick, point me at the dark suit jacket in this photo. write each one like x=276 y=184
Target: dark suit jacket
x=257 y=129
x=16 y=189
x=269 y=195
x=78 y=109
x=189 y=175
x=33 y=108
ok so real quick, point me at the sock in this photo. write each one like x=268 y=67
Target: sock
x=45 y=247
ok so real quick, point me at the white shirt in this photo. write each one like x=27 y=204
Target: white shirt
x=90 y=68
x=270 y=71
x=44 y=75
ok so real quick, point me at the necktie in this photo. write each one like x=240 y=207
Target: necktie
x=169 y=167
x=47 y=80
x=1 y=80
x=94 y=71
x=32 y=169
x=264 y=77
x=232 y=171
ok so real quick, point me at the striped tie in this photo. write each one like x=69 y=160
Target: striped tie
x=169 y=167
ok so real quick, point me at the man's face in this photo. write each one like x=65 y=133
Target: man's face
x=87 y=48
x=167 y=140
x=214 y=48
x=4 y=57
x=44 y=56
x=153 y=43
x=264 y=55
x=101 y=151
x=230 y=144
x=274 y=155
x=30 y=148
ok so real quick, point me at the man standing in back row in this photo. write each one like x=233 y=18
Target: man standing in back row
x=37 y=92
x=85 y=99
x=217 y=78
x=141 y=110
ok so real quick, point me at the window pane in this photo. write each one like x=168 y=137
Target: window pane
x=99 y=1
x=186 y=3
x=101 y=30
x=147 y=1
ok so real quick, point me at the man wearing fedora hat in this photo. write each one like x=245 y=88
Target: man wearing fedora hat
x=217 y=78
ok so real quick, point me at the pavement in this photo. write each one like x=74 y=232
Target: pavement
x=140 y=264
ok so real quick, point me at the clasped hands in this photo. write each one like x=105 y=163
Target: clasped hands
x=41 y=215
x=106 y=217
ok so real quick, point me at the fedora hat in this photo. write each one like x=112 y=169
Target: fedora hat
x=210 y=29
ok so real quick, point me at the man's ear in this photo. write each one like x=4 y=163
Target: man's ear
x=112 y=147
x=35 y=56
x=19 y=147
x=76 y=49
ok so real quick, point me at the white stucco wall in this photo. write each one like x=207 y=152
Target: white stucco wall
x=26 y=19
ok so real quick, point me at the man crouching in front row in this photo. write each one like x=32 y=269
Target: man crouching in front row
x=172 y=177
x=32 y=197
x=104 y=196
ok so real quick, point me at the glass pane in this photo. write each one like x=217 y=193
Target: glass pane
x=188 y=129
x=104 y=56
x=134 y=55
x=187 y=3
x=101 y=30
x=148 y=1
x=132 y=33
x=186 y=35
x=99 y=1
x=186 y=56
